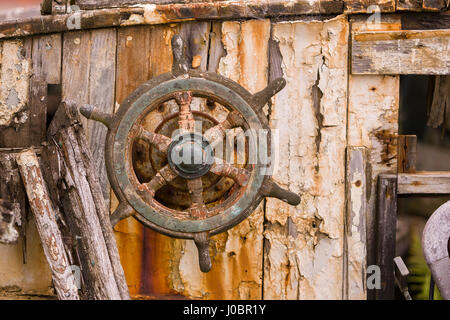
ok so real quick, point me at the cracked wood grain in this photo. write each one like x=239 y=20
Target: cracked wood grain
x=376 y=130
x=303 y=254
x=52 y=242
x=88 y=77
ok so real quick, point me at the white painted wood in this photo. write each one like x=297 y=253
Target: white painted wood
x=401 y=52
x=430 y=182
x=303 y=253
x=373 y=123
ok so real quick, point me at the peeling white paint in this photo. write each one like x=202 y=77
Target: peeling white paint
x=14 y=76
x=308 y=264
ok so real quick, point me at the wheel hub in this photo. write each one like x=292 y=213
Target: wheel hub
x=190 y=156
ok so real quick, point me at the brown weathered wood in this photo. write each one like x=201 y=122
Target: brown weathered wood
x=433 y=5
x=428 y=182
x=362 y=6
x=406 y=161
x=216 y=49
x=88 y=77
x=166 y=13
x=423 y=21
x=84 y=207
x=52 y=243
x=376 y=130
x=401 y=52
x=46 y=69
x=46 y=7
x=386 y=230
x=355 y=223
x=409 y=5
x=440 y=103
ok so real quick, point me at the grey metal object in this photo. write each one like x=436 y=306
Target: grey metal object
x=401 y=275
x=435 y=245
x=138 y=198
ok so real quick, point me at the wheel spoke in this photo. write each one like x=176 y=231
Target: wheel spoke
x=222 y=168
x=198 y=209
x=217 y=133
x=162 y=177
x=159 y=141
x=186 y=120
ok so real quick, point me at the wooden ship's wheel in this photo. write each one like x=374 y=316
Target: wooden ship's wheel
x=166 y=172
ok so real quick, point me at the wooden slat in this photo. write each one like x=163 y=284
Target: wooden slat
x=88 y=77
x=46 y=61
x=15 y=73
x=406 y=154
x=376 y=130
x=430 y=182
x=409 y=5
x=47 y=225
x=386 y=230
x=355 y=223
x=309 y=116
x=362 y=6
x=83 y=205
x=433 y=5
x=401 y=52
x=167 y=13
x=423 y=21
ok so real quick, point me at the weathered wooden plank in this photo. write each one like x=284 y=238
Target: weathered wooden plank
x=46 y=61
x=355 y=223
x=406 y=154
x=433 y=5
x=369 y=6
x=88 y=77
x=440 y=103
x=15 y=72
x=376 y=130
x=409 y=5
x=166 y=13
x=41 y=206
x=84 y=207
x=386 y=230
x=237 y=262
x=401 y=52
x=27 y=257
x=302 y=244
x=421 y=21
x=428 y=182
x=133 y=69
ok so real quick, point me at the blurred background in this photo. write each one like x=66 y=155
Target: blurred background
x=11 y=9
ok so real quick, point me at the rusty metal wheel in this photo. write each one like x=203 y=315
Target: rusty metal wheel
x=179 y=158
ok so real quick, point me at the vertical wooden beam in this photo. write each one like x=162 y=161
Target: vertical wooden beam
x=406 y=154
x=301 y=244
x=386 y=231
x=84 y=206
x=355 y=224
x=88 y=77
x=376 y=130
x=15 y=72
x=46 y=60
x=41 y=206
